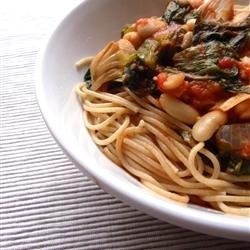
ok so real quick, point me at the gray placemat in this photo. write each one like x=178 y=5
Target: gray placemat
x=46 y=202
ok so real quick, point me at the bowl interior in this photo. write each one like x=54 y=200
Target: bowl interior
x=83 y=33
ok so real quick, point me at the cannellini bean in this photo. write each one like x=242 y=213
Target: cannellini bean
x=187 y=40
x=242 y=110
x=134 y=38
x=190 y=24
x=178 y=109
x=146 y=27
x=174 y=81
x=208 y=124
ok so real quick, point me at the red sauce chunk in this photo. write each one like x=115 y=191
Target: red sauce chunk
x=226 y=62
x=203 y=95
x=244 y=152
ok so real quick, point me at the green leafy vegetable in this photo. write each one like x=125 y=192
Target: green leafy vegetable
x=148 y=52
x=203 y=60
x=177 y=11
x=234 y=164
x=235 y=37
x=139 y=78
x=87 y=79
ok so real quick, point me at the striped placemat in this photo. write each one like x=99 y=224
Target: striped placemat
x=46 y=203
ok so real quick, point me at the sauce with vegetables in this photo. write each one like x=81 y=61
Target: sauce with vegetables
x=170 y=102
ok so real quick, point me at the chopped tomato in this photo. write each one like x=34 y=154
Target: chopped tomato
x=160 y=79
x=244 y=72
x=203 y=95
x=245 y=150
x=226 y=62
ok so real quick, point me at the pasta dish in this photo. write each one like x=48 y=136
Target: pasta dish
x=170 y=103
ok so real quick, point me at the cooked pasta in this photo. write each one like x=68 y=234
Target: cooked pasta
x=145 y=115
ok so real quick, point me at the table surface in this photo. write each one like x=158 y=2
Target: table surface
x=46 y=202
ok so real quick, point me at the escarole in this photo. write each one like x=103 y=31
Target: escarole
x=179 y=11
x=203 y=60
x=108 y=65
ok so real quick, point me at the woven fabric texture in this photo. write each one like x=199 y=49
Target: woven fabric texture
x=45 y=201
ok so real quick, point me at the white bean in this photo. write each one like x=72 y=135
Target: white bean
x=178 y=109
x=208 y=124
x=149 y=26
x=134 y=38
x=174 y=81
x=191 y=24
x=187 y=40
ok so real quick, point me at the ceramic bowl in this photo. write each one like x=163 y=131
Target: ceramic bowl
x=83 y=32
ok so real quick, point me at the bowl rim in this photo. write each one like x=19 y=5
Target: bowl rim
x=219 y=225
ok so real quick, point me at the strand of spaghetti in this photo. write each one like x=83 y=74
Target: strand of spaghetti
x=164 y=146
x=105 y=110
x=143 y=141
x=111 y=156
x=183 y=159
x=158 y=111
x=100 y=125
x=122 y=94
x=99 y=105
x=108 y=64
x=165 y=193
x=79 y=92
x=145 y=177
x=126 y=164
x=114 y=136
x=102 y=134
x=168 y=166
x=238 y=191
x=136 y=170
x=134 y=130
x=106 y=77
x=115 y=124
x=183 y=150
x=215 y=162
x=229 y=177
x=108 y=129
x=234 y=210
x=163 y=127
x=182 y=154
x=84 y=62
x=131 y=166
x=145 y=162
x=111 y=148
x=98 y=58
x=113 y=98
x=190 y=191
x=157 y=117
x=213 y=183
x=159 y=135
x=226 y=198
x=136 y=146
x=153 y=101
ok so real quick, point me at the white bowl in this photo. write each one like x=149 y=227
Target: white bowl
x=82 y=33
